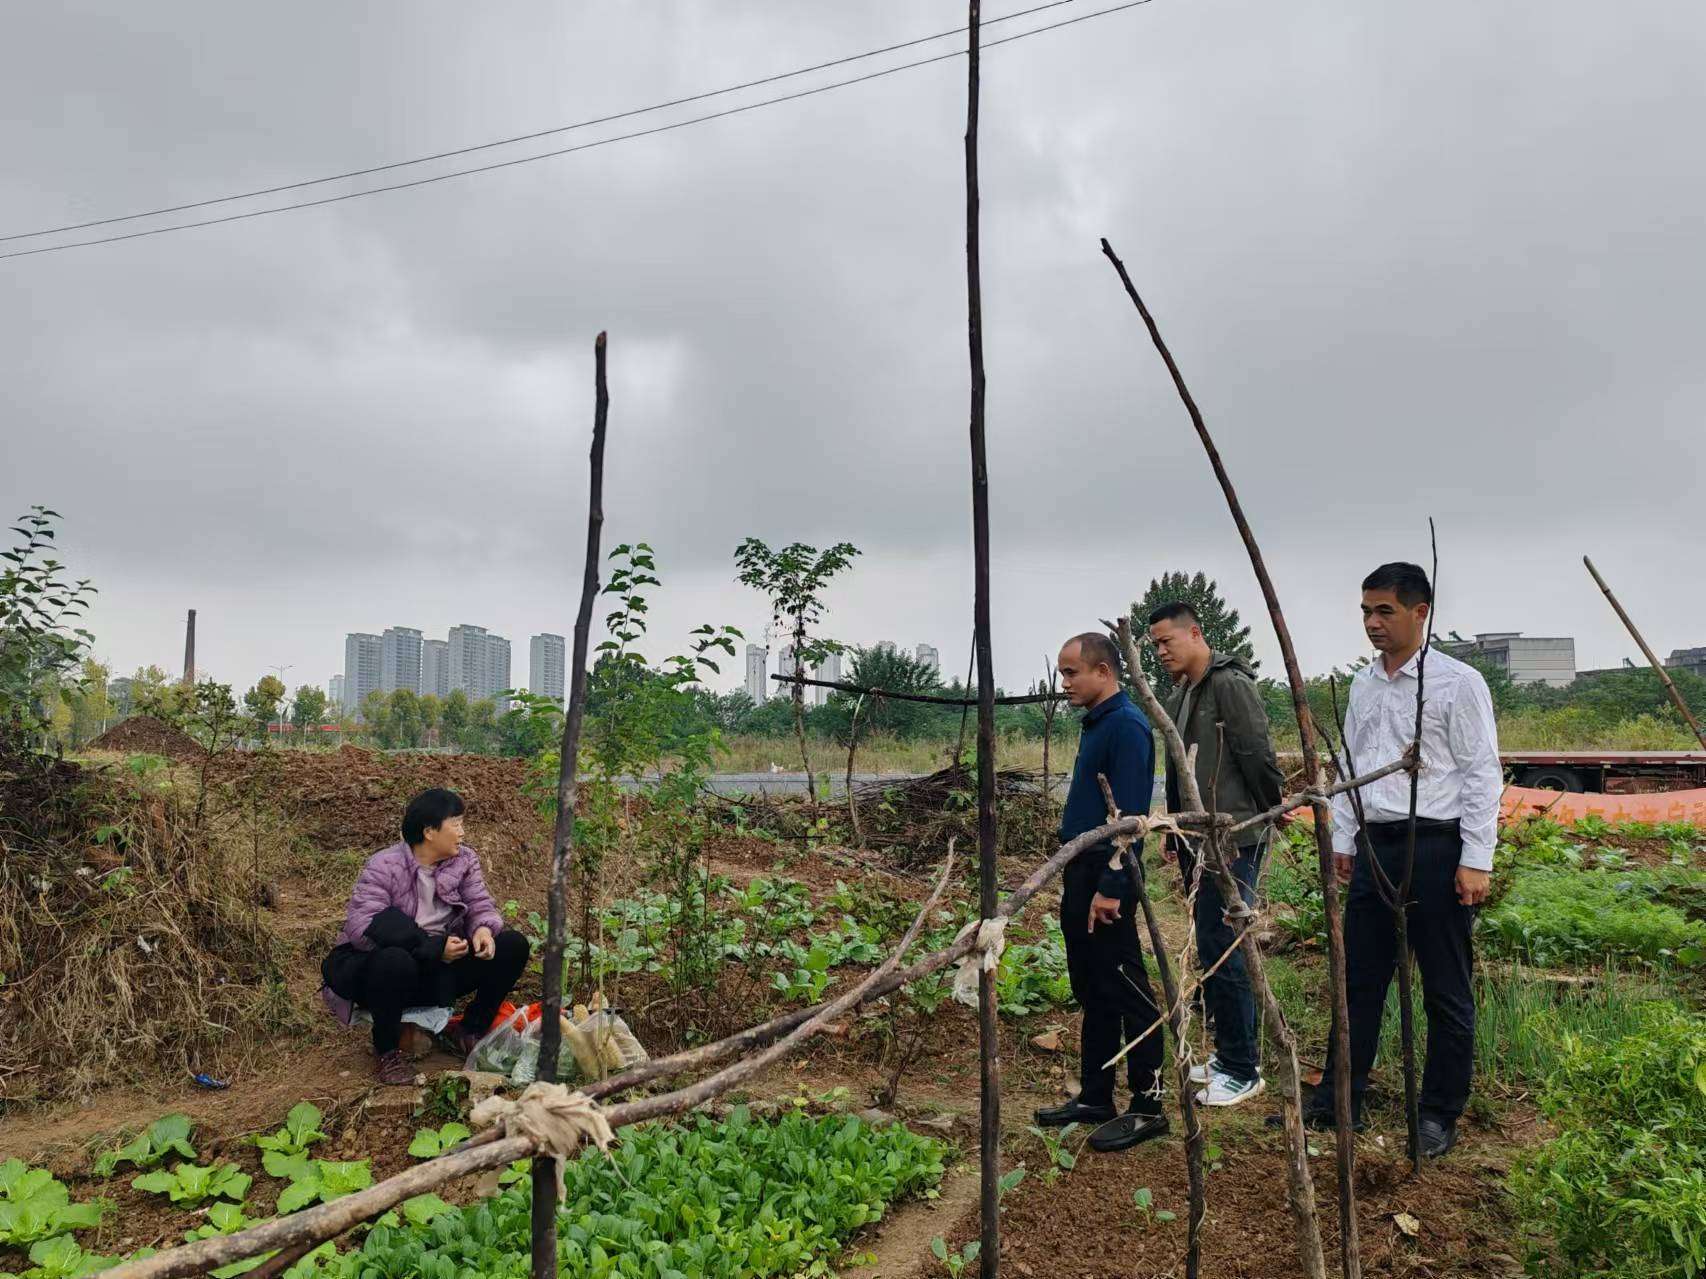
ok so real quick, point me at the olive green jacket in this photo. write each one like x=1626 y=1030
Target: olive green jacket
x=1243 y=779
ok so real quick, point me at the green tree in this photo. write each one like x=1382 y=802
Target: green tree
x=880 y=668
x=88 y=703
x=793 y=579
x=403 y=715
x=376 y=715
x=39 y=643
x=308 y=711
x=431 y=710
x=1220 y=623
x=261 y=703
x=453 y=717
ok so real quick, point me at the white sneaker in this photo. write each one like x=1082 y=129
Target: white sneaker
x=1223 y=1090
x=1202 y=1071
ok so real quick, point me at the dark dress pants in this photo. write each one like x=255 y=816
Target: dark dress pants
x=393 y=979
x=1111 y=985
x=1441 y=941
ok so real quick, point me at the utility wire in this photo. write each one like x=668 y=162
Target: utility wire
x=524 y=137
x=546 y=155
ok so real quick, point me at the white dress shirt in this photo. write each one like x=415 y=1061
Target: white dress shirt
x=1461 y=776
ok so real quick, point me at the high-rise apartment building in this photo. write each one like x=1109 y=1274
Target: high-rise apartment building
x=435 y=668
x=400 y=659
x=929 y=655
x=829 y=669
x=757 y=673
x=364 y=657
x=545 y=666
x=335 y=692
x=479 y=664
x=887 y=647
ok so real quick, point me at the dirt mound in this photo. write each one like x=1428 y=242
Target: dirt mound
x=145 y=735
x=128 y=934
x=353 y=799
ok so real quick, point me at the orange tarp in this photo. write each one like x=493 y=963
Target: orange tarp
x=1654 y=806
x=1565 y=808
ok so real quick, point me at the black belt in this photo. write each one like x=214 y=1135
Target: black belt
x=1424 y=825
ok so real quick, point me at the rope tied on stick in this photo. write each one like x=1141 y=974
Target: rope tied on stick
x=985 y=956
x=553 y=1118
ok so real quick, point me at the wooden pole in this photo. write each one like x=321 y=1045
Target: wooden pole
x=1300 y=1188
x=1652 y=659
x=1345 y=1138
x=563 y=833
x=989 y=1028
x=1175 y=1017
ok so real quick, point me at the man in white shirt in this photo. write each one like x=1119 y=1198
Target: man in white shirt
x=1457 y=809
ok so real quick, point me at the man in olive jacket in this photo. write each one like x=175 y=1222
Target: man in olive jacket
x=1219 y=711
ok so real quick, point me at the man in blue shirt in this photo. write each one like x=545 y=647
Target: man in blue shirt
x=1098 y=905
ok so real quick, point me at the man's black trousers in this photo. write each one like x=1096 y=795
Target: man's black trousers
x=1440 y=938
x=1111 y=985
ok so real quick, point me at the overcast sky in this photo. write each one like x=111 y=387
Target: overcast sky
x=1415 y=260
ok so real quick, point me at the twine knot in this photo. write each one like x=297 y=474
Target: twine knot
x=556 y=1120
x=985 y=956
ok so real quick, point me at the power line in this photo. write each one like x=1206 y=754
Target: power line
x=560 y=151
x=524 y=137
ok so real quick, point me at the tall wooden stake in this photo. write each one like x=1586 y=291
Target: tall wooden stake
x=1657 y=666
x=1349 y=1245
x=988 y=1027
x=563 y=833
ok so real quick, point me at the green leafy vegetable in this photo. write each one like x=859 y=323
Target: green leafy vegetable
x=62 y=1258
x=323 y=1180
x=194 y=1184
x=301 y=1130
x=34 y=1205
x=169 y=1135
x=430 y=1143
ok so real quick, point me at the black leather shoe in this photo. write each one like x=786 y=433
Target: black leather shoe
x=1316 y=1119
x=1437 y=1138
x=1073 y=1112
x=1126 y=1131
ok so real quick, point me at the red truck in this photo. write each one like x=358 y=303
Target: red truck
x=1606 y=772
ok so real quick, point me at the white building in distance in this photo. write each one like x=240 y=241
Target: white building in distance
x=435 y=668
x=479 y=664
x=364 y=657
x=830 y=669
x=757 y=673
x=545 y=666
x=335 y=691
x=400 y=659
x=929 y=655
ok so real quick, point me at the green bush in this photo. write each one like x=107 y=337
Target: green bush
x=1622 y=1191
x=1570 y=916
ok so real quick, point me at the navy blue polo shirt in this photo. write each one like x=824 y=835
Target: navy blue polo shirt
x=1116 y=742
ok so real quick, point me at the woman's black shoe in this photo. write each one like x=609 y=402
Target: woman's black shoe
x=1073 y=1112
x=1126 y=1131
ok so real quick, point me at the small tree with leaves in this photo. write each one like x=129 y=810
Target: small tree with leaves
x=793 y=579
x=262 y=703
x=1220 y=623
x=39 y=642
x=308 y=710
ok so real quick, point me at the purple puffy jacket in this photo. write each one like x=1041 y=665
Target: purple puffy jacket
x=389 y=879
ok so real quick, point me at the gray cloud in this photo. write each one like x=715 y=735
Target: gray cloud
x=1436 y=261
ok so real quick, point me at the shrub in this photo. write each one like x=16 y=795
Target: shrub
x=1564 y=916
x=1622 y=1192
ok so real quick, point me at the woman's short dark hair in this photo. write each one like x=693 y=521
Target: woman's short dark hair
x=428 y=809
x=1407 y=581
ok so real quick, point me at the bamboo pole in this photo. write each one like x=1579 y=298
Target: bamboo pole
x=1652 y=659
x=1300 y=1189
x=989 y=1029
x=563 y=833
x=1344 y=1137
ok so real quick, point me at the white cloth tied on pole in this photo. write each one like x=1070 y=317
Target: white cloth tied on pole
x=556 y=1120
x=984 y=957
